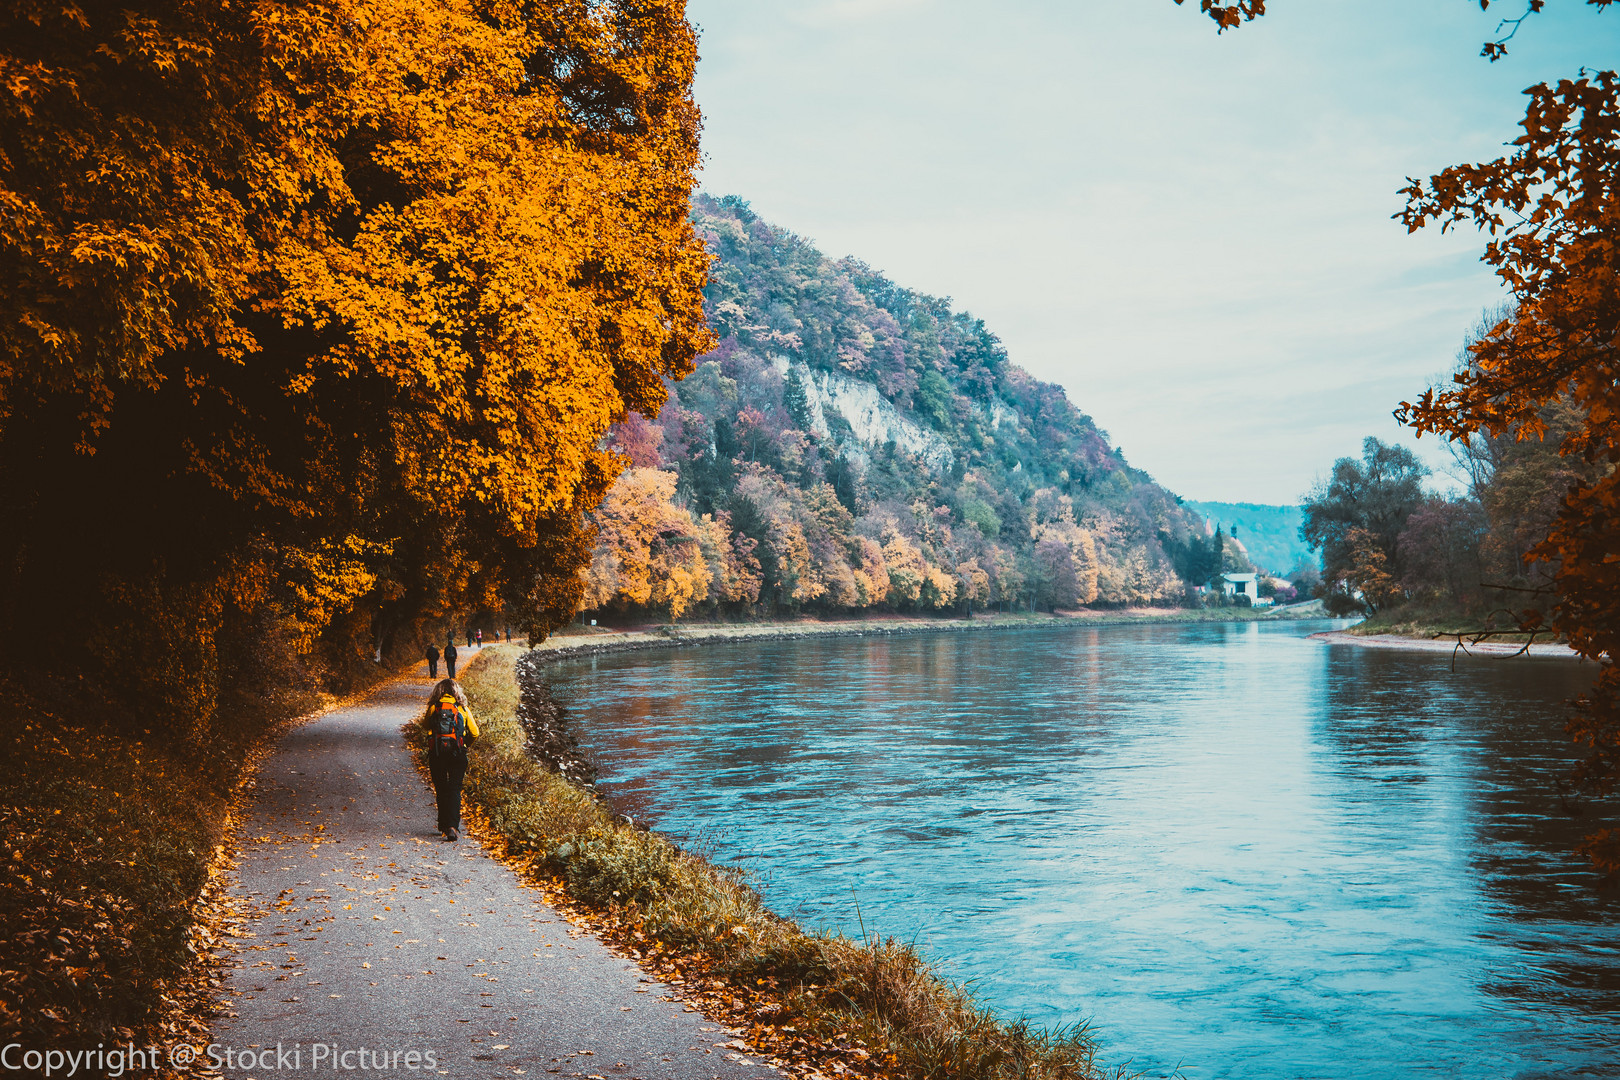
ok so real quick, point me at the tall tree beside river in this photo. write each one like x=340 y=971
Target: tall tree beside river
x=1551 y=208
x=315 y=318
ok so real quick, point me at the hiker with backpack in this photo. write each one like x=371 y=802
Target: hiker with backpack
x=450 y=658
x=451 y=729
x=433 y=660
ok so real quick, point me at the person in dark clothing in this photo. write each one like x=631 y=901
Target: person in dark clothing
x=433 y=661
x=469 y=639
x=480 y=637
x=451 y=730
x=450 y=659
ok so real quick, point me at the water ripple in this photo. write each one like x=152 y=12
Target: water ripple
x=1238 y=849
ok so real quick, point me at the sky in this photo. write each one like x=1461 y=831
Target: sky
x=1191 y=233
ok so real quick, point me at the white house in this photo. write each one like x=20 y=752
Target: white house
x=1241 y=585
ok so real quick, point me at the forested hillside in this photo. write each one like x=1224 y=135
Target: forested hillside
x=852 y=444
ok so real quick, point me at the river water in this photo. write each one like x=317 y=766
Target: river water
x=1230 y=847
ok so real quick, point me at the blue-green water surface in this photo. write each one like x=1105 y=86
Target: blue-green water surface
x=1231 y=847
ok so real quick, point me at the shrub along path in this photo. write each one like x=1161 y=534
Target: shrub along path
x=366 y=930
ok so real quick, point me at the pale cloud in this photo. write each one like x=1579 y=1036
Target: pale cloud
x=1191 y=233
x=838 y=12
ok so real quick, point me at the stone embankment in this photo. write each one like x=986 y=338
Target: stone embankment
x=595 y=642
x=561 y=648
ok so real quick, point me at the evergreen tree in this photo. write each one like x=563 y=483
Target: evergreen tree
x=796 y=401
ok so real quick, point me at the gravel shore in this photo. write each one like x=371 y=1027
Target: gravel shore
x=1493 y=649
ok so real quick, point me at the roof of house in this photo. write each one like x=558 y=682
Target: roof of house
x=1235 y=578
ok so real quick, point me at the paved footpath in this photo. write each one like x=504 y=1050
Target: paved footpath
x=371 y=933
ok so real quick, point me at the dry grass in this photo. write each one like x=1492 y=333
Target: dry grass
x=1445 y=621
x=824 y=1003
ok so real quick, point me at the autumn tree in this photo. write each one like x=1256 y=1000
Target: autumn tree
x=734 y=571
x=1056 y=582
x=907 y=569
x=1440 y=551
x=648 y=549
x=1552 y=211
x=638 y=442
x=1084 y=565
x=1375 y=495
x=316 y=316
x=1362 y=581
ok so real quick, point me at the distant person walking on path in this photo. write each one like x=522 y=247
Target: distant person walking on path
x=450 y=659
x=433 y=660
x=480 y=637
x=451 y=729
x=469 y=639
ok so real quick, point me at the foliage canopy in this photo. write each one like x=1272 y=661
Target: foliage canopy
x=317 y=313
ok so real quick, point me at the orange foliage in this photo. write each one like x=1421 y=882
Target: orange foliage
x=348 y=292
x=1552 y=210
x=1090 y=578
x=907 y=568
x=734 y=571
x=869 y=570
x=1231 y=14
x=647 y=550
x=1367 y=572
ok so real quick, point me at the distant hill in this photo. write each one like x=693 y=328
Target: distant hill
x=851 y=443
x=1270 y=533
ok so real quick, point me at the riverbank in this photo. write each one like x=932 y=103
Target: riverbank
x=362 y=927
x=809 y=1004
x=1491 y=649
x=575 y=640
x=1110 y=824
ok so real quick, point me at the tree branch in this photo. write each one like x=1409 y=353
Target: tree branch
x=1495 y=50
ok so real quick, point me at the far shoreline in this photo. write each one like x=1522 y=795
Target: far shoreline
x=1492 y=650
x=577 y=641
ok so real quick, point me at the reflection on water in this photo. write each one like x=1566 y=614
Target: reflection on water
x=1232 y=847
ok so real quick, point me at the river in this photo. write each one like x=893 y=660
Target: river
x=1229 y=846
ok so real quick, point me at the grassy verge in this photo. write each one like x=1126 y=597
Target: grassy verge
x=816 y=1003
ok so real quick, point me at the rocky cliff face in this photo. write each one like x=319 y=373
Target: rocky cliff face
x=868 y=420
